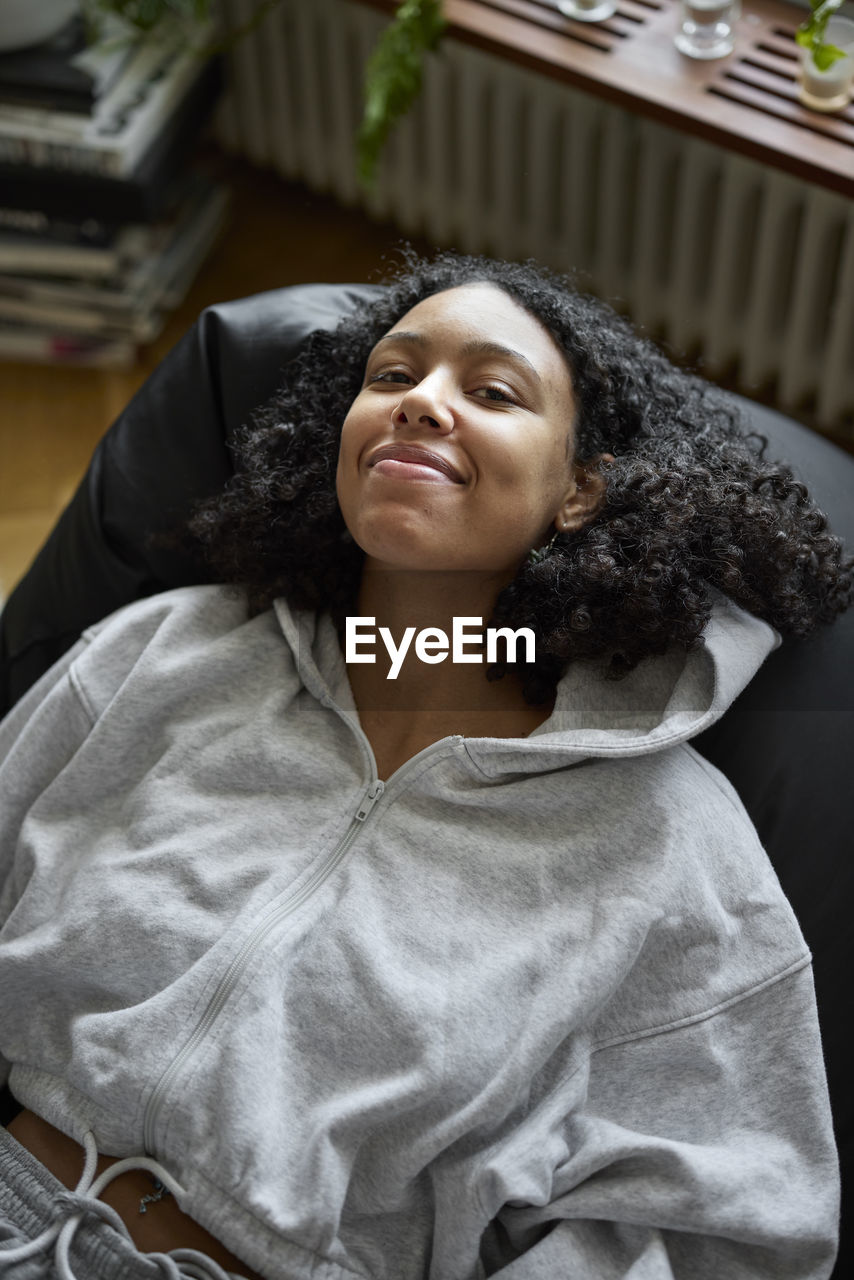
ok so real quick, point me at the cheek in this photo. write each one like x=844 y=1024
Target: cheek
x=532 y=496
x=531 y=475
x=345 y=488
x=357 y=435
x=555 y=470
x=339 y=470
x=347 y=498
x=348 y=448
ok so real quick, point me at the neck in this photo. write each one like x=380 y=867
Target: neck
x=425 y=702
x=405 y=605
x=403 y=686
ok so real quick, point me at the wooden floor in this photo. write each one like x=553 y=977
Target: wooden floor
x=51 y=418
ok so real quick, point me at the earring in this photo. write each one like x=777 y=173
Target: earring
x=537 y=556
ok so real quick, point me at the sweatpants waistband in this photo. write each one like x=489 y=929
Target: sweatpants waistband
x=32 y=1201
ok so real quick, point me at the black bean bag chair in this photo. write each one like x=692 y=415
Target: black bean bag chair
x=787 y=745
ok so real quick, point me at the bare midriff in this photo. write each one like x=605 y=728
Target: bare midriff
x=162 y=1227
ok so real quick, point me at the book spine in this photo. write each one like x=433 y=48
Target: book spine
x=122 y=128
x=89 y=232
x=65 y=128
x=45 y=347
x=141 y=195
x=78 y=320
x=94 y=263
x=117 y=300
x=59 y=156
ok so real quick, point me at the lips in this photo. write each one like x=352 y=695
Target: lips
x=418 y=458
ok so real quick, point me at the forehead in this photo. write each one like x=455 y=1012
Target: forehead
x=485 y=313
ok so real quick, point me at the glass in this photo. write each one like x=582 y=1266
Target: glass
x=830 y=90
x=707 y=28
x=588 y=10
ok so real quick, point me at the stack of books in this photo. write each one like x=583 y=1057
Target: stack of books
x=103 y=222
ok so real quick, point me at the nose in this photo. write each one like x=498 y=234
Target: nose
x=426 y=403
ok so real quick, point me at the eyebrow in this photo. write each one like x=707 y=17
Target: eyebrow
x=475 y=347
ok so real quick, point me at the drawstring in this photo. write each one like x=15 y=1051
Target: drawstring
x=72 y=1206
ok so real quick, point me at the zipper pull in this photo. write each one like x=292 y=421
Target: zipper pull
x=372 y=795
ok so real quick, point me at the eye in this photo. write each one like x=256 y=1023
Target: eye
x=497 y=394
x=393 y=376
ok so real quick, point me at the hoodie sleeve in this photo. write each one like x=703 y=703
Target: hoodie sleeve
x=37 y=739
x=705 y=1150
x=46 y=728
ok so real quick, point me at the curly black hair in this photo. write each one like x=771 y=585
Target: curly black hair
x=690 y=505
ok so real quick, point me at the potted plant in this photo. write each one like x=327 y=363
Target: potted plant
x=827 y=64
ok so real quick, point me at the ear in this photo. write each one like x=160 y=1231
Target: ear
x=584 y=499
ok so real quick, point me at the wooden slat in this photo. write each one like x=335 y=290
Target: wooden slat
x=621 y=24
x=836 y=125
x=781 y=41
x=816 y=128
x=771 y=61
x=746 y=71
x=631 y=60
x=548 y=20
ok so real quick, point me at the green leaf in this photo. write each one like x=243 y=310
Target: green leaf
x=393 y=78
x=825 y=56
x=810 y=34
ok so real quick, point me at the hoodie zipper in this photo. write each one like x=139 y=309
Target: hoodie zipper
x=240 y=962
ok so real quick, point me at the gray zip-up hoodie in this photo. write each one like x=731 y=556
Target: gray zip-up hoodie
x=534 y=1005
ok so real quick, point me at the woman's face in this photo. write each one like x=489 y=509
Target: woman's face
x=457 y=452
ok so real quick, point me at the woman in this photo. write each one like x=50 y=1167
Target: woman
x=427 y=965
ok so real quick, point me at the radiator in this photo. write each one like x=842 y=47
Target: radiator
x=737 y=266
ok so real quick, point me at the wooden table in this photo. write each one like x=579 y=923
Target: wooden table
x=746 y=103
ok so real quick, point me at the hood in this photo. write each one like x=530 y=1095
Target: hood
x=667 y=699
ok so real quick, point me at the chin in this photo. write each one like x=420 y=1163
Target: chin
x=395 y=541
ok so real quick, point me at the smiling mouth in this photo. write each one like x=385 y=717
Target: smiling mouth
x=407 y=462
